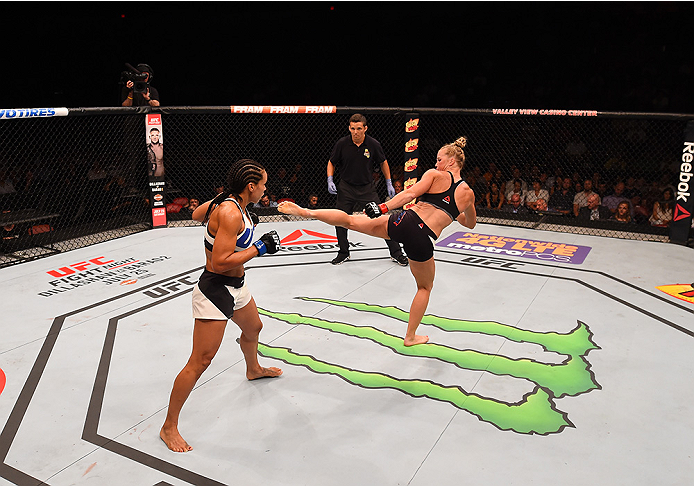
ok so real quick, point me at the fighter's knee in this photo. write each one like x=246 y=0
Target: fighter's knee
x=252 y=331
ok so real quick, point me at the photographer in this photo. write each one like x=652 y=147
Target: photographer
x=136 y=88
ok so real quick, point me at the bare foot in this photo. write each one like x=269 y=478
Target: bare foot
x=288 y=207
x=173 y=440
x=264 y=373
x=416 y=340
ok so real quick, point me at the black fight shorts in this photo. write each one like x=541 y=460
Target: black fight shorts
x=217 y=296
x=417 y=239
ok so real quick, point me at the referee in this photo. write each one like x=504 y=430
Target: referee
x=355 y=157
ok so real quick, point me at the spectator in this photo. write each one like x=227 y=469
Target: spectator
x=398 y=186
x=510 y=184
x=536 y=193
x=663 y=210
x=187 y=209
x=479 y=184
x=494 y=197
x=265 y=202
x=515 y=205
x=562 y=199
x=312 y=201
x=490 y=173
x=616 y=198
x=593 y=211
x=623 y=212
x=148 y=97
x=546 y=182
x=541 y=205
x=581 y=198
x=282 y=185
x=641 y=211
x=517 y=189
x=630 y=189
x=558 y=181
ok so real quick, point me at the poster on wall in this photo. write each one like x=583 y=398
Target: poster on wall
x=154 y=136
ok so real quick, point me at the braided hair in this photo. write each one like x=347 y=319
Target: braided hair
x=455 y=149
x=241 y=173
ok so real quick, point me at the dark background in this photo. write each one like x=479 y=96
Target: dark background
x=606 y=56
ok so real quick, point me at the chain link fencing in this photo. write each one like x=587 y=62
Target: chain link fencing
x=73 y=181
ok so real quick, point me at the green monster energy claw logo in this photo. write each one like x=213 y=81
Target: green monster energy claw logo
x=535 y=413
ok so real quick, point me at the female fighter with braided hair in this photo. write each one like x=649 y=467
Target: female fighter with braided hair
x=443 y=198
x=221 y=293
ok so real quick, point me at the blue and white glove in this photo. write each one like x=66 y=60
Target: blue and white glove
x=268 y=243
x=331 y=186
x=390 y=188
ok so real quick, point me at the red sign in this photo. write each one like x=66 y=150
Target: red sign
x=158 y=217
x=154 y=119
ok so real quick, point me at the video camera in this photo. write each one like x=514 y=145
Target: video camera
x=140 y=79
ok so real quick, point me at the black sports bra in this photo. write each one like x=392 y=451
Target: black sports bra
x=445 y=201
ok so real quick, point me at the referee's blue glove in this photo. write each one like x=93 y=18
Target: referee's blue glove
x=390 y=188
x=331 y=186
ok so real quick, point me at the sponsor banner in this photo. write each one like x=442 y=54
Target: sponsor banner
x=411 y=152
x=504 y=246
x=12 y=113
x=681 y=291
x=308 y=240
x=154 y=137
x=684 y=202
x=101 y=271
x=283 y=109
x=526 y=111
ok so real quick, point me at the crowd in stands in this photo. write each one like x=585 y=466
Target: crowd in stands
x=620 y=197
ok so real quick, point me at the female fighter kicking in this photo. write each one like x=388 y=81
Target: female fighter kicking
x=443 y=198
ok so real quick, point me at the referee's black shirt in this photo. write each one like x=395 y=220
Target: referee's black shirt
x=356 y=164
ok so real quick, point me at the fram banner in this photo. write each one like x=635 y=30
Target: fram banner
x=502 y=245
x=283 y=109
x=12 y=113
x=154 y=137
x=684 y=202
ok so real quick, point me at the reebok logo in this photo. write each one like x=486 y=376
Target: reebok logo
x=305 y=237
x=685 y=172
x=680 y=213
x=447 y=199
x=309 y=240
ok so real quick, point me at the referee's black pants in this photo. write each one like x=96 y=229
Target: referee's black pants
x=353 y=198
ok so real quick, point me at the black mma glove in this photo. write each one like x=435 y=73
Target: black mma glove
x=268 y=243
x=254 y=218
x=374 y=210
